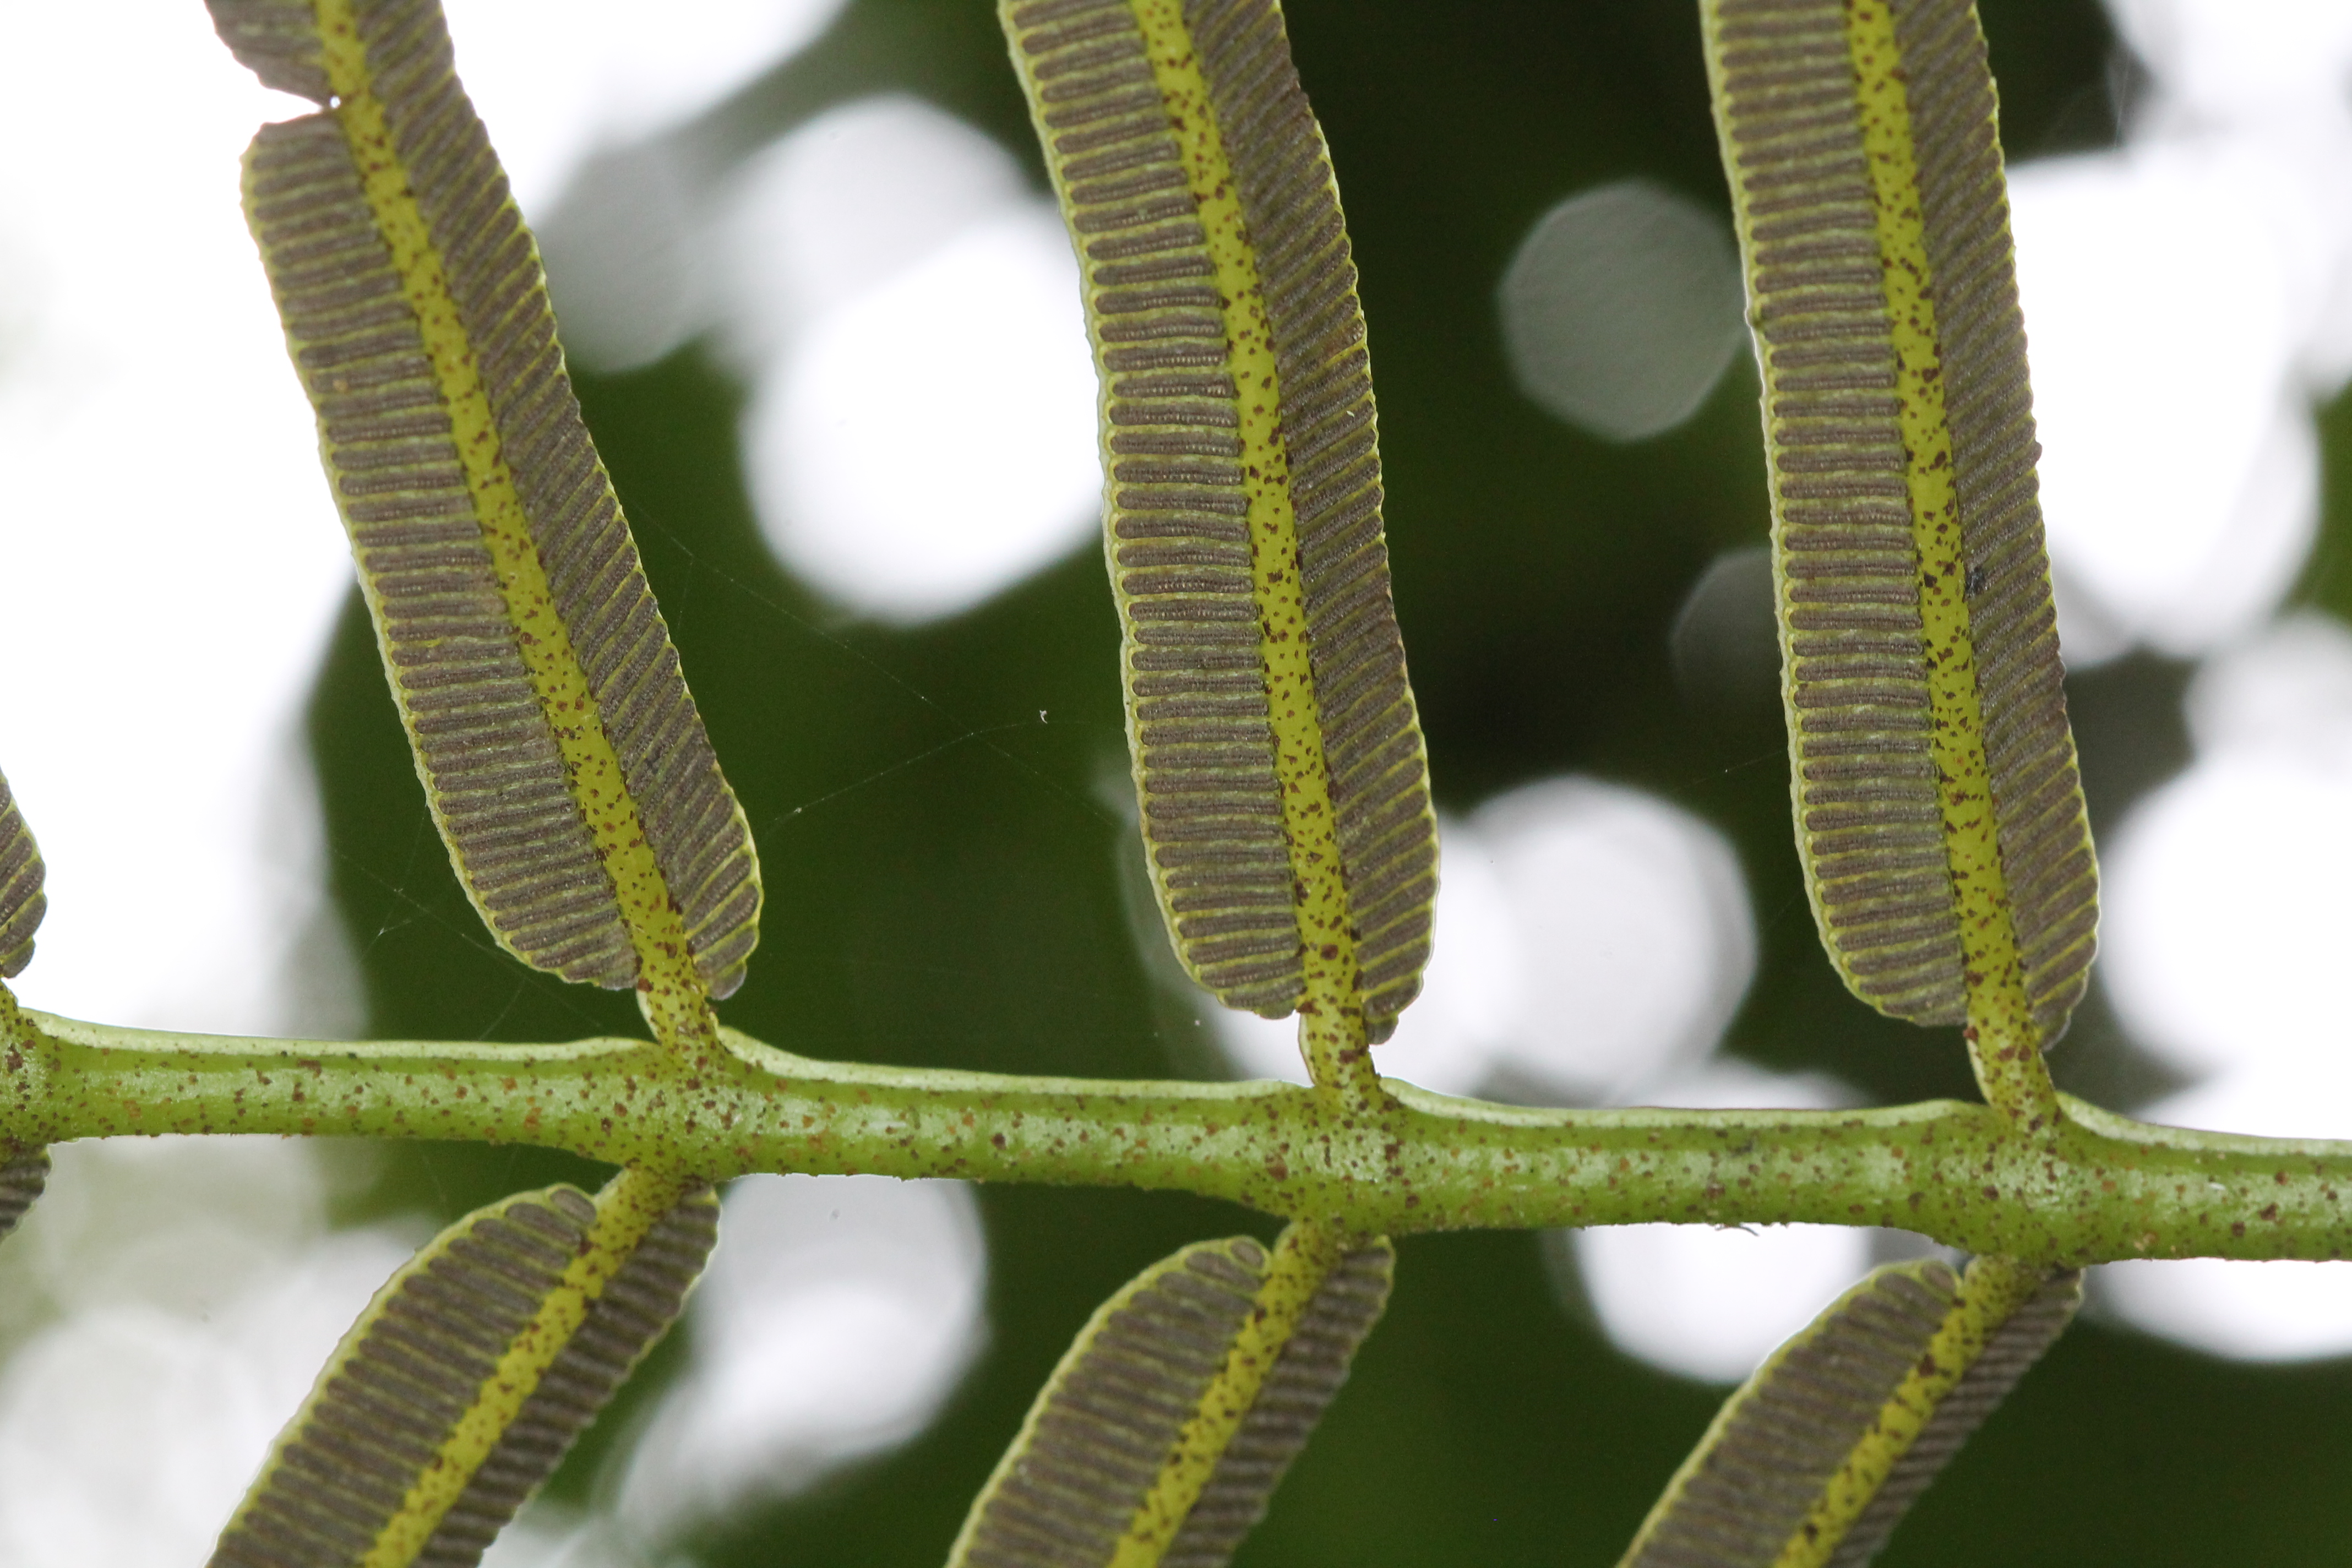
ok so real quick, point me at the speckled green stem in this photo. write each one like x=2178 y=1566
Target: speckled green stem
x=2100 y=1187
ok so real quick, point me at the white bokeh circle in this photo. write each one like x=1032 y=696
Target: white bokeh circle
x=555 y=81
x=931 y=442
x=1620 y=309
x=837 y=1315
x=152 y=1360
x=2268 y=1312
x=2226 y=924
x=1710 y=1303
x=2179 y=471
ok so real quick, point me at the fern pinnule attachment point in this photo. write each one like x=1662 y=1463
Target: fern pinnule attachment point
x=1163 y=1433
x=564 y=759
x=1813 y=1461
x=1940 y=809
x=1278 y=754
x=466 y=1380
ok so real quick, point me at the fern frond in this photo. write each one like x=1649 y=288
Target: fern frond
x=1162 y=1435
x=1278 y=754
x=564 y=759
x=1816 y=1459
x=1939 y=808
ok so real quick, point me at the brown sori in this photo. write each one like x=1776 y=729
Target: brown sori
x=1864 y=776
x=485 y=748
x=277 y=41
x=1781 y=1438
x=643 y=1298
x=2006 y=1358
x=1176 y=518
x=1290 y=1404
x=1371 y=733
x=1177 y=521
x=413 y=1367
x=1106 y=1423
x=489 y=757
x=1853 y=638
x=2037 y=790
x=419 y=1360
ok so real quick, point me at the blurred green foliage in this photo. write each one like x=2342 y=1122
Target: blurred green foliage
x=938 y=821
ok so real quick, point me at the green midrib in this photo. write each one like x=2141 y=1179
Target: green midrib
x=2004 y=1040
x=1331 y=1010
x=670 y=988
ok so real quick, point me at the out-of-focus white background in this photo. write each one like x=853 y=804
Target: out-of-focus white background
x=2188 y=296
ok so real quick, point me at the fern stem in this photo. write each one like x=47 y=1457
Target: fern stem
x=2091 y=1186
